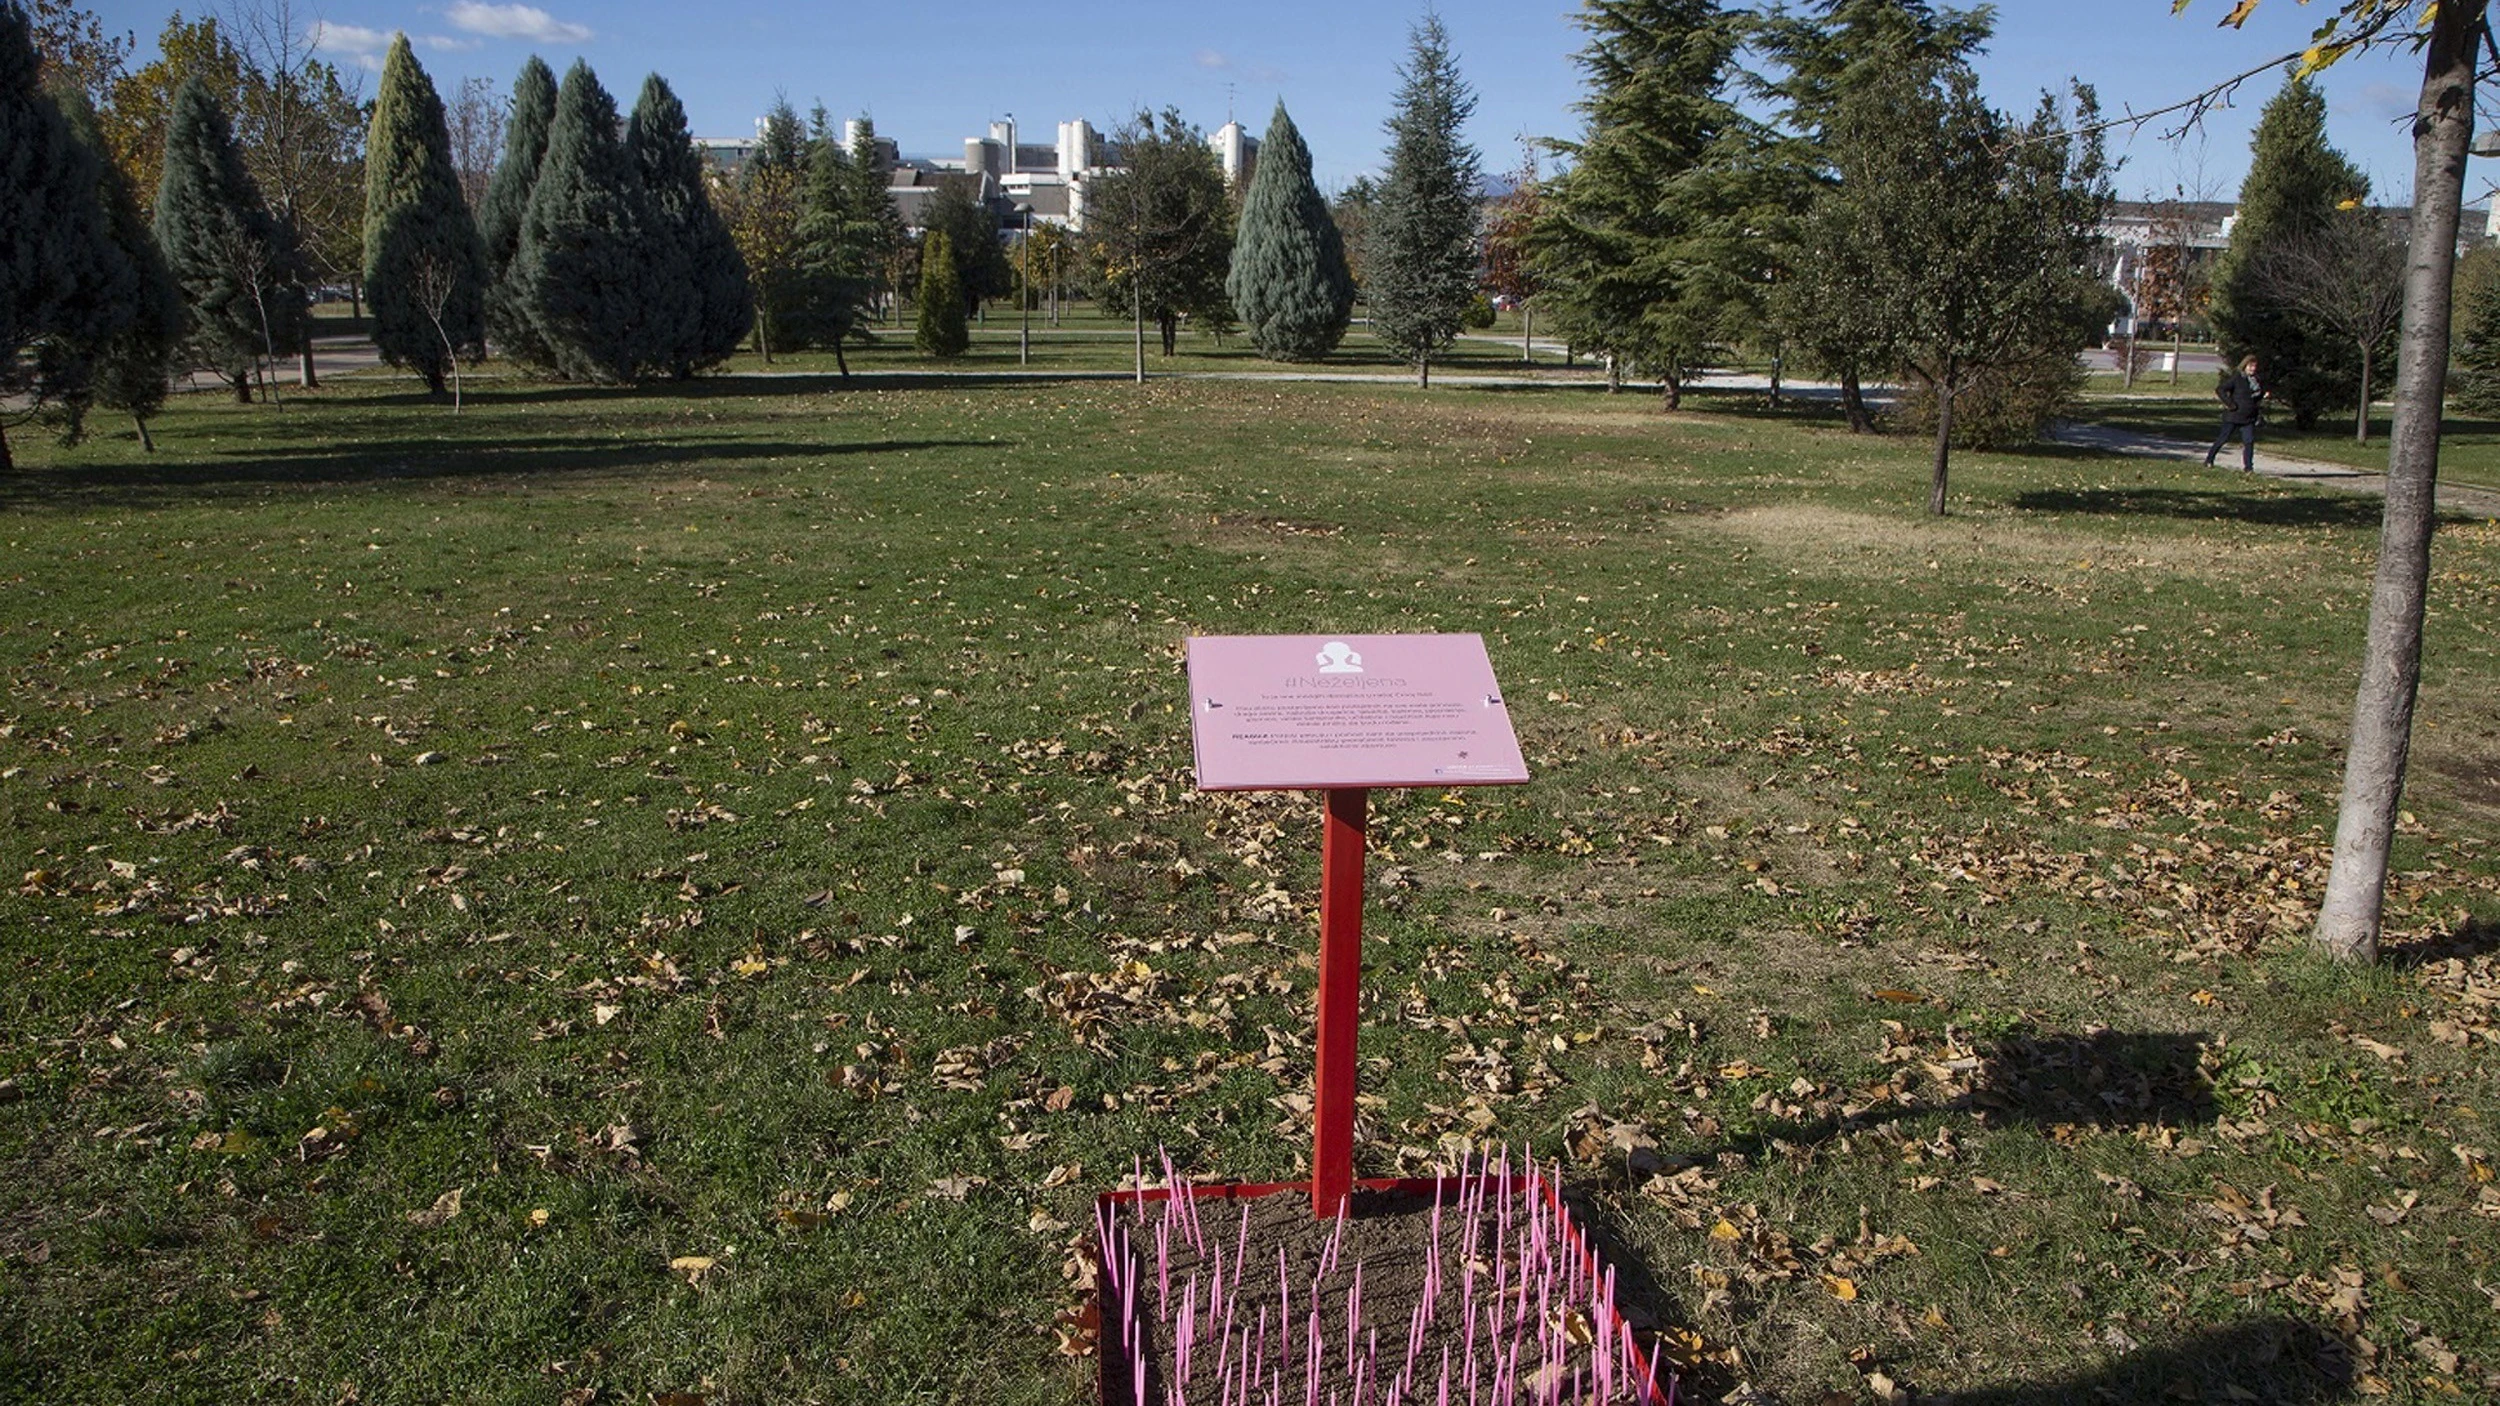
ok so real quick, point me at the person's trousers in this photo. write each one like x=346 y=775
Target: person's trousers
x=2248 y=445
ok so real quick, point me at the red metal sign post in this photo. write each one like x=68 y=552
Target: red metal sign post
x=1340 y=997
x=1341 y=716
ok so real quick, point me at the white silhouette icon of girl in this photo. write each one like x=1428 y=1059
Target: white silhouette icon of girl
x=1337 y=657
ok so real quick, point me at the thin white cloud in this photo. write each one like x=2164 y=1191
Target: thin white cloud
x=449 y=44
x=515 y=22
x=353 y=42
x=1211 y=58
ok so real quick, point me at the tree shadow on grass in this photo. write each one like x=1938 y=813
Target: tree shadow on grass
x=2277 y=1361
x=2104 y=1079
x=372 y=461
x=2211 y=505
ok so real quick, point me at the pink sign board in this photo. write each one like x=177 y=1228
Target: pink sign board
x=1297 y=712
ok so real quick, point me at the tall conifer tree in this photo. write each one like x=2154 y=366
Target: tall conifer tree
x=237 y=268
x=1289 y=282
x=55 y=293
x=2295 y=181
x=1422 y=241
x=425 y=269
x=584 y=269
x=124 y=359
x=692 y=242
x=507 y=201
x=1640 y=243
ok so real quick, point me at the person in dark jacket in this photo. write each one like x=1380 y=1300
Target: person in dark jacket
x=2242 y=400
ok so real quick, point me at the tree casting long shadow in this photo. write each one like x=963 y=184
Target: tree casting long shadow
x=2273 y=1361
x=2209 y=505
x=417 y=460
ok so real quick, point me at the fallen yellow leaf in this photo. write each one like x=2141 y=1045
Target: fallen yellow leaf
x=1935 y=1319
x=1725 y=1230
x=694 y=1267
x=1842 y=1289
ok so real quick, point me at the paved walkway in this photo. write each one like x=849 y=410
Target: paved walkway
x=2454 y=498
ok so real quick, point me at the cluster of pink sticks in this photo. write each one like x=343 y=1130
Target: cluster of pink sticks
x=1537 y=1324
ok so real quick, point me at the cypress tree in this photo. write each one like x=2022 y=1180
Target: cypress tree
x=584 y=271
x=53 y=293
x=1289 y=280
x=126 y=358
x=2295 y=181
x=691 y=242
x=236 y=266
x=941 y=331
x=507 y=200
x=425 y=269
x=1422 y=253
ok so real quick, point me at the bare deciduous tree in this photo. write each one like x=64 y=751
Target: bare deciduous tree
x=476 y=117
x=2349 y=276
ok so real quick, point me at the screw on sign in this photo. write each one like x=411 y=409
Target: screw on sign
x=1343 y=715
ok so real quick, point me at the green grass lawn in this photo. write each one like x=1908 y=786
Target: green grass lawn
x=688 y=895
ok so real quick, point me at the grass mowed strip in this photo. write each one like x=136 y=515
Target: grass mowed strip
x=615 y=896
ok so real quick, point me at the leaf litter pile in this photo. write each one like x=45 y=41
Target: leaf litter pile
x=664 y=923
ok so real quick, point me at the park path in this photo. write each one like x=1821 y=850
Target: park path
x=2457 y=498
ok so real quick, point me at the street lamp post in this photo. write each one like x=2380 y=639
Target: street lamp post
x=1024 y=293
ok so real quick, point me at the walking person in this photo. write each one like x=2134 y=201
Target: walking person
x=2243 y=403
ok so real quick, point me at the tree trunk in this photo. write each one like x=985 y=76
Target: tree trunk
x=1423 y=371
x=2361 y=419
x=6 y=463
x=1527 y=336
x=1944 y=441
x=1853 y=403
x=2391 y=657
x=1671 y=392
x=1137 y=316
x=1169 y=324
x=2178 y=340
x=242 y=388
x=1614 y=374
x=1778 y=366
x=147 y=442
x=305 y=375
x=841 y=362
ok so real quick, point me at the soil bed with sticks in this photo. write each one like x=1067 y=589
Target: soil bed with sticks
x=1475 y=1288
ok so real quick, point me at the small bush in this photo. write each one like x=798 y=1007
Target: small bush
x=2007 y=407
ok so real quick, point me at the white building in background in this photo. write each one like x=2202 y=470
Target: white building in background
x=1011 y=176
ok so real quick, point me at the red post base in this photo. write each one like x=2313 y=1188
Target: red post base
x=1340 y=982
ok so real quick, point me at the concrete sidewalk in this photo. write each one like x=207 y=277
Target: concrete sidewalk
x=2453 y=498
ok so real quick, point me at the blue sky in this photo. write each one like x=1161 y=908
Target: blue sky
x=936 y=71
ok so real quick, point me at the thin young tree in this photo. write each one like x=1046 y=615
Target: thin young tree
x=500 y=214
x=425 y=267
x=763 y=207
x=1960 y=237
x=477 y=115
x=1162 y=227
x=1422 y=242
x=2345 y=276
x=2451 y=34
x=236 y=266
x=1288 y=278
x=690 y=244
x=1507 y=273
